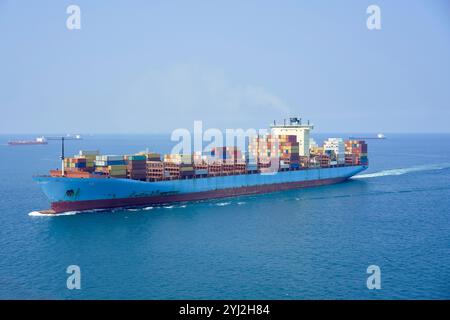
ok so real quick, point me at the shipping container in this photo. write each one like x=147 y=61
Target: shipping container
x=109 y=158
x=201 y=172
x=136 y=157
x=105 y=163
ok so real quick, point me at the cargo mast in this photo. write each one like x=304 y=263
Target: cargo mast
x=62 y=139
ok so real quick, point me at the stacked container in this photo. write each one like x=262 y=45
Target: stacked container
x=324 y=160
x=89 y=155
x=82 y=162
x=155 y=170
x=304 y=161
x=289 y=154
x=227 y=161
x=136 y=167
x=178 y=166
x=200 y=168
x=154 y=166
x=264 y=152
x=357 y=148
x=72 y=173
x=260 y=150
x=266 y=148
x=284 y=165
x=171 y=171
x=264 y=164
x=240 y=168
x=351 y=159
x=227 y=154
x=197 y=157
x=111 y=165
x=316 y=151
x=75 y=164
x=178 y=158
x=253 y=151
x=335 y=149
x=227 y=168
x=152 y=156
x=186 y=170
x=215 y=169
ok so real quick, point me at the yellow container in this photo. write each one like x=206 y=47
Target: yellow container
x=117 y=167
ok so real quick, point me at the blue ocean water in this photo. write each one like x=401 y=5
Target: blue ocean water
x=303 y=244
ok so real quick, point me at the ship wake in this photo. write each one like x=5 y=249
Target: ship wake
x=401 y=171
x=41 y=214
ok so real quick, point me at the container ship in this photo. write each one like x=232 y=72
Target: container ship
x=38 y=140
x=286 y=158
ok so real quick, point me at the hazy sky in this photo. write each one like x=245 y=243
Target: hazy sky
x=152 y=66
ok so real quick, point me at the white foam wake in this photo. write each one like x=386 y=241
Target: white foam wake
x=222 y=204
x=400 y=171
x=40 y=214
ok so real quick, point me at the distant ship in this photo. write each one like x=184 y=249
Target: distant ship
x=379 y=136
x=74 y=136
x=38 y=140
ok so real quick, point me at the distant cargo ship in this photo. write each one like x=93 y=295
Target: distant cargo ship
x=39 y=140
x=379 y=136
x=280 y=161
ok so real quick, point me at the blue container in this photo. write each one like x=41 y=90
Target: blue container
x=116 y=163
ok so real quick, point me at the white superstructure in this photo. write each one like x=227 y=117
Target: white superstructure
x=336 y=146
x=296 y=128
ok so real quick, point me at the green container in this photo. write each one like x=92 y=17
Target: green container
x=136 y=157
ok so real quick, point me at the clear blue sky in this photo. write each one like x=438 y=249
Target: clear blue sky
x=152 y=66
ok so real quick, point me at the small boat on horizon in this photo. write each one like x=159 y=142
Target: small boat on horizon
x=74 y=136
x=379 y=136
x=37 y=141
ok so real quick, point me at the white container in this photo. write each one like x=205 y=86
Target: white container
x=109 y=158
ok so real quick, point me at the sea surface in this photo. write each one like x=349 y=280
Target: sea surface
x=312 y=243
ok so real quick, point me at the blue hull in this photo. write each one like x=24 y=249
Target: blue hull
x=111 y=192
